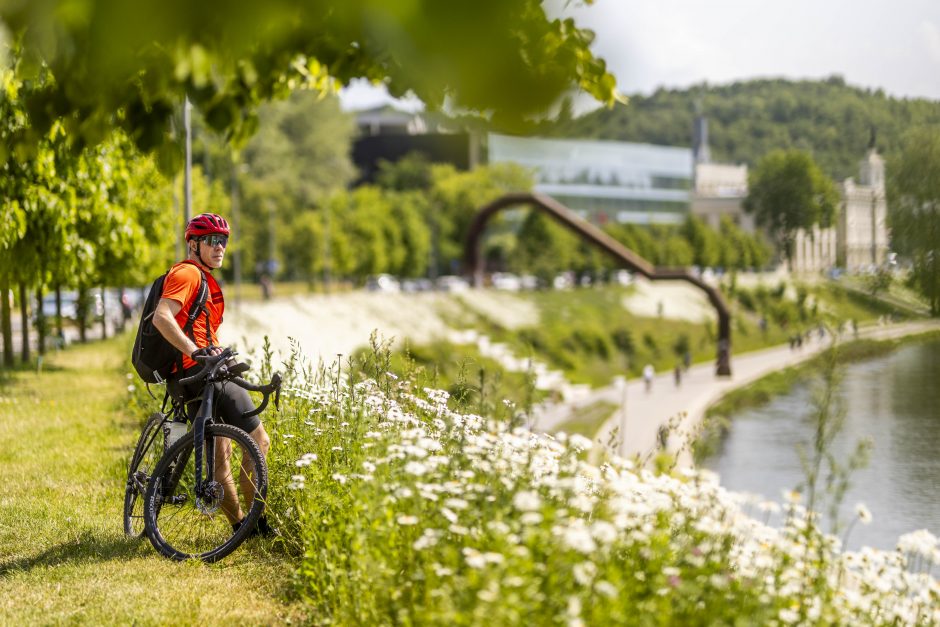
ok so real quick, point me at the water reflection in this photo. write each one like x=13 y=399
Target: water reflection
x=895 y=400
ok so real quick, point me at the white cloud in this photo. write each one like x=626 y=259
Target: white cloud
x=931 y=37
x=675 y=43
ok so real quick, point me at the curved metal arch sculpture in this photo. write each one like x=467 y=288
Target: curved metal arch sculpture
x=473 y=262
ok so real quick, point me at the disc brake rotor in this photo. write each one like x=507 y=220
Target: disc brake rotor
x=211 y=498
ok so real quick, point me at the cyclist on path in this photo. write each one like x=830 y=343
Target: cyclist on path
x=206 y=238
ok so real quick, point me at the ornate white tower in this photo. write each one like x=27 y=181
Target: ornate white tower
x=863 y=224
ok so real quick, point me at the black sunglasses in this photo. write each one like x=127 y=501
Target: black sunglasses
x=215 y=240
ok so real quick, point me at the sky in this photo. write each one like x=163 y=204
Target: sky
x=893 y=45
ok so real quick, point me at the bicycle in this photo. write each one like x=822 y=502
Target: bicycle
x=182 y=499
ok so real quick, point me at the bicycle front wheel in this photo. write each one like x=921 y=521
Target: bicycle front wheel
x=143 y=461
x=184 y=525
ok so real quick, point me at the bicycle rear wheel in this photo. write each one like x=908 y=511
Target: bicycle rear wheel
x=183 y=525
x=143 y=461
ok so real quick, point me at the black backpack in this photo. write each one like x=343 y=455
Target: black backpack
x=153 y=356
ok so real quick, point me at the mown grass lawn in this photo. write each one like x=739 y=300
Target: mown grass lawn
x=65 y=437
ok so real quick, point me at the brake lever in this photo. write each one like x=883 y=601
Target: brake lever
x=276 y=380
x=239 y=369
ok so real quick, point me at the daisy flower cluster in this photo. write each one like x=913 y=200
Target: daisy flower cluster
x=403 y=510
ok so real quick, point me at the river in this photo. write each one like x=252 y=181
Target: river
x=895 y=400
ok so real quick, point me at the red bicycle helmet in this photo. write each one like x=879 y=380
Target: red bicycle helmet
x=206 y=224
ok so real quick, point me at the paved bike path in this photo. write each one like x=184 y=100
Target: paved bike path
x=641 y=414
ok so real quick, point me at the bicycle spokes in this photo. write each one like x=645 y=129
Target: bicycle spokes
x=143 y=462
x=196 y=518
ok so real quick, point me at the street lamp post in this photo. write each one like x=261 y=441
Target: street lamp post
x=188 y=175
x=236 y=253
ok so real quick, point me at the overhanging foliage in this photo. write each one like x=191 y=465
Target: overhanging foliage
x=133 y=62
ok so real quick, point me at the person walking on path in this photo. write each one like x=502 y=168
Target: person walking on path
x=648 y=374
x=677 y=372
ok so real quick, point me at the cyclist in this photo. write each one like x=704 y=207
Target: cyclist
x=206 y=238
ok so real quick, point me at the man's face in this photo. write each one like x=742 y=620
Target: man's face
x=212 y=249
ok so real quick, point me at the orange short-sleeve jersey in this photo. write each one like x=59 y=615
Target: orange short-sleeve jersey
x=182 y=284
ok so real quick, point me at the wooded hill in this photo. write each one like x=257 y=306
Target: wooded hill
x=747 y=119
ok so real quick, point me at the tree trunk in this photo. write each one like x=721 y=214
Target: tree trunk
x=58 y=312
x=40 y=322
x=82 y=307
x=104 y=317
x=6 y=320
x=935 y=276
x=119 y=321
x=24 y=321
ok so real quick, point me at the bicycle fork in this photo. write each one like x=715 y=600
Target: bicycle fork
x=199 y=435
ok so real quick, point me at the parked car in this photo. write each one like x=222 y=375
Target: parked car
x=70 y=306
x=417 y=285
x=382 y=283
x=621 y=277
x=451 y=283
x=505 y=281
x=563 y=281
x=529 y=282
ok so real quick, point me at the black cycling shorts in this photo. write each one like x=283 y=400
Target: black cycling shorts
x=230 y=401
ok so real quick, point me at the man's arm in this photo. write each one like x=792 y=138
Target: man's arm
x=164 y=319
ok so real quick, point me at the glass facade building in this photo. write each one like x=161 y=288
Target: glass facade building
x=605 y=180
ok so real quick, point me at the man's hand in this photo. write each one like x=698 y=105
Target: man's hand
x=206 y=351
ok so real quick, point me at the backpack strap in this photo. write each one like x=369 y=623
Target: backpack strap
x=197 y=307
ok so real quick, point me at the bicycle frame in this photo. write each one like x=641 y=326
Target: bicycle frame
x=203 y=416
x=211 y=369
x=177 y=414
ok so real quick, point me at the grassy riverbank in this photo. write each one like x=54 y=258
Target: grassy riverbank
x=718 y=416
x=65 y=436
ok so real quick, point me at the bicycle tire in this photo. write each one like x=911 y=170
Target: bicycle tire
x=177 y=525
x=145 y=458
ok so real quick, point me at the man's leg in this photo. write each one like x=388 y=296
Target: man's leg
x=232 y=402
x=247 y=476
x=223 y=474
